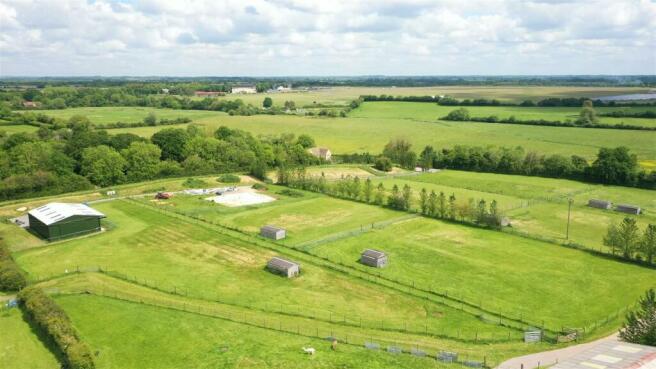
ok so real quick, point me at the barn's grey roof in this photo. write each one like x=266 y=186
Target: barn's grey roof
x=56 y=211
x=271 y=228
x=600 y=202
x=373 y=253
x=281 y=264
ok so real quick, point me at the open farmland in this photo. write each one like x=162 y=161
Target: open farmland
x=515 y=94
x=344 y=135
x=104 y=115
x=17 y=128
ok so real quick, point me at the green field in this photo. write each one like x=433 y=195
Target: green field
x=538 y=206
x=204 y=342
x=344 y=135
x=104 y=115
x=20 y=128
x=502 y=272
x=431 y=112
x=20 y=346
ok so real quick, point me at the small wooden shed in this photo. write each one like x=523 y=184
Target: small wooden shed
x=284 y=267
x=629 y=209
x=273 y=232
x=600 y=204
x=373 y=258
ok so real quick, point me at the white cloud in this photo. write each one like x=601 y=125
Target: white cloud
x=303 y=37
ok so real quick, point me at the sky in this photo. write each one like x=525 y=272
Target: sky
x=326 y=37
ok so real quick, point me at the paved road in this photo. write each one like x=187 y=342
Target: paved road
x=547 y=358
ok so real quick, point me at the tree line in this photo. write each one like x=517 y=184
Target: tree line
x=615 y=166
x=588 y=118
x=548 y=102
x=79 y=156
x=430 y=204
x=627 y=240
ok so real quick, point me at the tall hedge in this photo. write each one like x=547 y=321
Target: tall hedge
x=12 y=277
x=54 y=322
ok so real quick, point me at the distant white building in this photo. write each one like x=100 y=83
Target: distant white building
x=165 y=90
x=282 y=88
x=321 y=153
x=244 y=90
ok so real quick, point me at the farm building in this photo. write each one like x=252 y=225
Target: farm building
x=600 y=204
x=272 y=232
x=283 y=267
x=244 y=90
x=56 y=220
x=373 y=258
x=629 y=209
x=321 y=153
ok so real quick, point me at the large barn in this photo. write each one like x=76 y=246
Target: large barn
x=273 y=232
x=58 y=220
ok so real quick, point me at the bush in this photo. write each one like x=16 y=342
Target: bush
x=383 y=163
x=291 y=193
x=53 y=321
x=229 y=178
x=12 y=277
x=461 y=114
x=194 y=183
x=260 y=186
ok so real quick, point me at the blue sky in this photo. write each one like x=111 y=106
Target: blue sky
x=300 y=37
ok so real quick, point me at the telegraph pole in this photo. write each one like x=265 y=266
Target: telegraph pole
x=569 y=211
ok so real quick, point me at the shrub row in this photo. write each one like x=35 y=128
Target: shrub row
x=53 y=321
x=549 y=102
x=553 y=123
x=628 y=114
x=12 y=277
x=162 y=122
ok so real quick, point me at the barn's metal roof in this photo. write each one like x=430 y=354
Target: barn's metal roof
x=281 y=264
x=373 y=253
x=57 y=211
x=628 y=206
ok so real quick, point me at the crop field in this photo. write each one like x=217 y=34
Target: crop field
x=344 y=95
x=104 y=115
x=344 y=135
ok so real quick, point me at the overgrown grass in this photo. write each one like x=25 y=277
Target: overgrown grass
x=519 y=276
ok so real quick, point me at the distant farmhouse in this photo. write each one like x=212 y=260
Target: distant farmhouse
x=600 y=204
x=244 y=90
x=30 y=104
x=282 y=88
x=283 y=267
x=629 y=209
x=208 y=93
x=273 y=232
x=321 y=153
x=373 y=258
x=57 y=220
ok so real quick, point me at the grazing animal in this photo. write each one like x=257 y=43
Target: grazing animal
x=309 y=350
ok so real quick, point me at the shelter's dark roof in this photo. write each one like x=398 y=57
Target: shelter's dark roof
x=281 y=264
x=373 y=253
x=628 y=206
x=271 y=228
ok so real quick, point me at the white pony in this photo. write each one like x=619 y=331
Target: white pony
x=309 y=350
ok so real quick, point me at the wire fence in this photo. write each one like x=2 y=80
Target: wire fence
x=368 y=341
x=453 y=299
x=419 y=327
